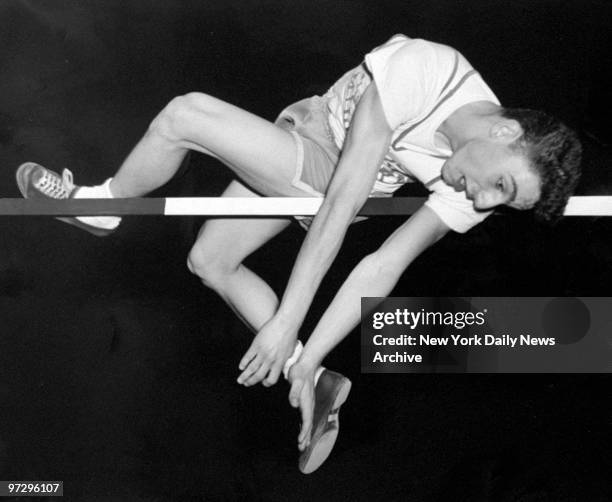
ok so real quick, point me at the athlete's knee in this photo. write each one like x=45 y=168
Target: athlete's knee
x=182 y=115
x=210 y=266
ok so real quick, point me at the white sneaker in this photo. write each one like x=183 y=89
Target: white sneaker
x=38 y=182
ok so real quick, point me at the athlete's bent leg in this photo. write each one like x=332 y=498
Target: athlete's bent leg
x=217 y=256
x=259 y=152
x=262 y=154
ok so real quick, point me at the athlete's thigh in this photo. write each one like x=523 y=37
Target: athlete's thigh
x=233 y=239
x=262 y=154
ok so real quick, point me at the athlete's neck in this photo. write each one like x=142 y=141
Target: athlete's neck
x=468 y=122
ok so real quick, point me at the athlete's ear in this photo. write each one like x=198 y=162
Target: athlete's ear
x=507 y=129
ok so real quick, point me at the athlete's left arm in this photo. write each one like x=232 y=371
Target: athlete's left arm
x=375 y=275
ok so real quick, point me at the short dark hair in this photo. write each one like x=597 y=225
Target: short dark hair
x=554 y=153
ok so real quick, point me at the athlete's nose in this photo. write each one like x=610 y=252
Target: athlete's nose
x=459 y=185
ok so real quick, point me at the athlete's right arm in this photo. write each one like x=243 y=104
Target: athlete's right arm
x=365 y=146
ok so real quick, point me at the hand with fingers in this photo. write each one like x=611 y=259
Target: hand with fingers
x=265 y=358
x=302 y=396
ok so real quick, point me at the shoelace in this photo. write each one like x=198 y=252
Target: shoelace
x=51 y=185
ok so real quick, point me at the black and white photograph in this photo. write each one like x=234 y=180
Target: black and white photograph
x=332 y=250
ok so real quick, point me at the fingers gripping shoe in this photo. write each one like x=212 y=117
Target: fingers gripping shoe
x=38 y=182
x=331 y=392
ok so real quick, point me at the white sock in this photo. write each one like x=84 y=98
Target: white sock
x=294 y=357
x=320 y=370
x=98 y=192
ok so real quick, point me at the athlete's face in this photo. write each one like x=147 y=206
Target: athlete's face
x=491 y=174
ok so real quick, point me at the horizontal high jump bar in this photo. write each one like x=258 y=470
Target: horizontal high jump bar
x=596 y=205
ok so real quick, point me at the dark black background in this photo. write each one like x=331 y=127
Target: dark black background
x=117 y=368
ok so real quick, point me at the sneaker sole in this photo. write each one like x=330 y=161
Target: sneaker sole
x=98 y=232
